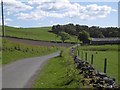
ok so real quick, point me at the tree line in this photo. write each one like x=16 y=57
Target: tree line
x=94 y=31
x=83 y=32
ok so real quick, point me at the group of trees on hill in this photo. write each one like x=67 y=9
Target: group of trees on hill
x=83 y=32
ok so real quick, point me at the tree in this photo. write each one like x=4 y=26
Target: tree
x=78 y=28
x=83 y=36
x=70 y=29
x=114 y=34
x=56 y=29
x=94 y=31
x=64 y=36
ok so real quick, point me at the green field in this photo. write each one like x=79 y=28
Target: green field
x=13 y=51
x=40 y=33
x=100 y=53
x=60 y=72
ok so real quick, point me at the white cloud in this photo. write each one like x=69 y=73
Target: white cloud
x=114 y=10
x=26 y=16
x=6 y=20
x=38 y=2
x=63 y=8
x=12 y=6
x=17 y=26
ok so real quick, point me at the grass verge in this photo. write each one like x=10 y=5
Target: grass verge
x=60 y=72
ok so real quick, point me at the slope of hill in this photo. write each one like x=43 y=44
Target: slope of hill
x=40 y=33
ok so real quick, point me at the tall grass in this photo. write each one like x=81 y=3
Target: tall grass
x=13 y=51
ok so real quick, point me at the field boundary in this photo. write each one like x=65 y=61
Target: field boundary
x=39 y=42
x=92 y=76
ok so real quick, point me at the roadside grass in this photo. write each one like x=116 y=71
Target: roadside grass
x=12 y=51
x=40 y=33
x=60 y=72
x=111 y=52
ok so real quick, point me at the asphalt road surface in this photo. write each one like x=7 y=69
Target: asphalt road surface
x=20 y=74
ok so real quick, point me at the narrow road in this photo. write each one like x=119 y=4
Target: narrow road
x=20 y=74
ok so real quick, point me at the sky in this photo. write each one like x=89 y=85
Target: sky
x=41 y=13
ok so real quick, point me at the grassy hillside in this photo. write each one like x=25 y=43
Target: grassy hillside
x=41 y=33
x=100 y=53
x=13 y=51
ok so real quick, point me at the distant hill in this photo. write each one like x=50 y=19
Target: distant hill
x=38 y=33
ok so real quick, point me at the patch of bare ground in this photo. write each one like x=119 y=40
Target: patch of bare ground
x=39 y=43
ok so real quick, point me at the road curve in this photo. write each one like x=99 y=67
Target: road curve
x=19 y=74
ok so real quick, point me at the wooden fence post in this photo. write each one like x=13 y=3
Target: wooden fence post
x=78 y=53
x=82 y=55
x=105 y=65
x=86 y=56
x=92 y=59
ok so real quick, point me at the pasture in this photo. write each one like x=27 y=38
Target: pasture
x=40 y=33
x=110 y=52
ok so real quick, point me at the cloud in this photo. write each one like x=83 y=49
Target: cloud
x=17 y=26
x=26 y=16
x=63 y=9
x=57 y=9
x=38 y=2
x=12 y=6
x=6 y=20
x=114 y=10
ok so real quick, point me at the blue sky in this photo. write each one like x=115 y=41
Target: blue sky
x=34 y=13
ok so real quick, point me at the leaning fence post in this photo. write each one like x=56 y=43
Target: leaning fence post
x=86 y=56
x=82 y=55
x=78 y=53
x=92 y=59
x=105 y=65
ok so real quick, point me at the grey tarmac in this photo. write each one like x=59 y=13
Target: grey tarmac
x=20 y=74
